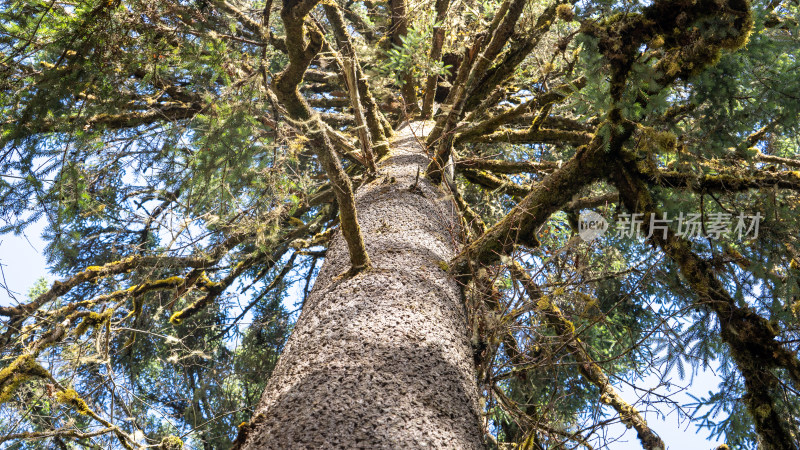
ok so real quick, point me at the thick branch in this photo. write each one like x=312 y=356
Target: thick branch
x=93 y=273
x=435 y=56
x=473 y=66
x=494 y=182
x=728 y=181
x=173 y=111
x=546 y=197
x=777 y=160
x=372 y=115
x=534 y=136
x=517 y=53
x=442 y=133
x=490 y=125
x=399 y=28
x=506 y=167
x=301 y=52
x=360 y=25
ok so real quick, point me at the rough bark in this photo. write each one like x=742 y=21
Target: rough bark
x=381 y=359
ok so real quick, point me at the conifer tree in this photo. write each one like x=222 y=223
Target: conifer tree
x=416 y=179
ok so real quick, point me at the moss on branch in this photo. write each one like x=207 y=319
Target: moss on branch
x=556 y=189
x=303 y=44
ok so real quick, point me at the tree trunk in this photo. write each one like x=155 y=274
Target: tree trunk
x=381 y=359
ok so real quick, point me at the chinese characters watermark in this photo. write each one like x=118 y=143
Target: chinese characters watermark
x=592 y=225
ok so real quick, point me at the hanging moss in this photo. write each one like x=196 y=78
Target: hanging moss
x=565 y=12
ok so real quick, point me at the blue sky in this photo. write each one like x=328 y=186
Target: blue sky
x=23 y=263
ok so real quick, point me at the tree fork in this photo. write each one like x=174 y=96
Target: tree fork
x=490 y=125
x=546 y=197
x=473 y=66
x=518 y=51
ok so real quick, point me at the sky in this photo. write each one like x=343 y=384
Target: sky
x=23 y=263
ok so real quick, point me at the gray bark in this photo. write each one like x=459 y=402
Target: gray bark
x=381 y=359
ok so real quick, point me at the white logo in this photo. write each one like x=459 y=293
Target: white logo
x=591 y=226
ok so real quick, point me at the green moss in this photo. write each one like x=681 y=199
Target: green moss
x=657 y=41
x=71 y=398
x=796 y=309
x=743 y=37
x=565 y=12
x=21 y=369
x=176 y=318
x=665 y=141
x=443 y=265
x=544 y=304
x=570 y=327
x=171 y=443
x=589 y=301
x=207 y=283
x=763 y=411
x=190 y=310
x=92 y=320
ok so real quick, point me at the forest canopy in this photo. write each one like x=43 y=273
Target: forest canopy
x=192 y=162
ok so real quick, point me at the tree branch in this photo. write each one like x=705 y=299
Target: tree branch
x=435 y=55
x=301 y=52
x=490 y=125
x=506 y=167
x=546 y=197
x=399 y=28
x=363 y=95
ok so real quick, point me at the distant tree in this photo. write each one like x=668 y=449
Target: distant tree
x=196 y=162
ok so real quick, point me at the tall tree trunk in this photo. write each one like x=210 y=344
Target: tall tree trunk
x=381 y=359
